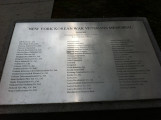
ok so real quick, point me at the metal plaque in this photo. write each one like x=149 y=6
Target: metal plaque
x=60 y=62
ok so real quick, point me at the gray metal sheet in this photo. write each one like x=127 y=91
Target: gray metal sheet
x=60 y=62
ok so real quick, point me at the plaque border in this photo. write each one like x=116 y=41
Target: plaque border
x=79 y=106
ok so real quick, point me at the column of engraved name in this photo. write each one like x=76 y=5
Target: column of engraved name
x=76 y=70
x=130 y=69
x=26 y=76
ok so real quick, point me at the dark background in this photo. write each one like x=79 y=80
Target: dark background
x=135 y=114
x=151 y=9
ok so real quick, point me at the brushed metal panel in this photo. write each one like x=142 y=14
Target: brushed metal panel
x=61 y=62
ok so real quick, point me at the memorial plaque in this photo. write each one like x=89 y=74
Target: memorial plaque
x=62 y=62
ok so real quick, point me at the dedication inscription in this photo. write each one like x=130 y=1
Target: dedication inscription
x=59 y=62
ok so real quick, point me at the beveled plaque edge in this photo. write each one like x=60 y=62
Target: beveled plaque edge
x=81 y=106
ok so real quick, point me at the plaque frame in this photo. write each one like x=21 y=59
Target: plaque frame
x=80 y=106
